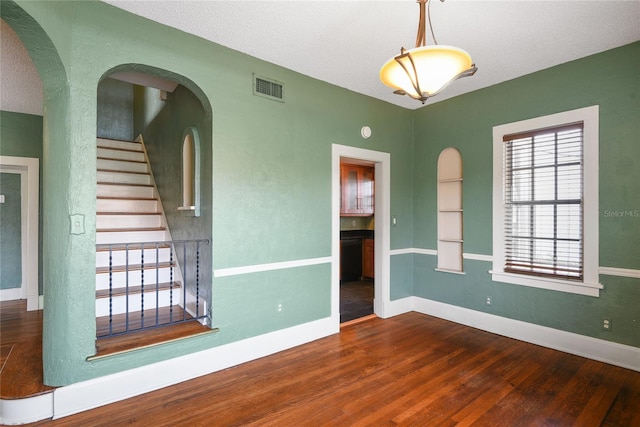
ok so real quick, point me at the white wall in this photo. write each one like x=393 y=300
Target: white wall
x=20 y=83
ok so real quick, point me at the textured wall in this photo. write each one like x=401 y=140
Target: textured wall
x=115 y=110
x=609 y=79
x=270 y=166
x=20 y=85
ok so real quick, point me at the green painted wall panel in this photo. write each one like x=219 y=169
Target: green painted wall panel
x=402 y=276
x=10 y=229
x=609 y=79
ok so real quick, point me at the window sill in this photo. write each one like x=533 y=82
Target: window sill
x=580 y=288
x=444 y=270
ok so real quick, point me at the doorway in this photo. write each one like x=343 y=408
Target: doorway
x=381 y=226
x=28 y=170
x=357 y=237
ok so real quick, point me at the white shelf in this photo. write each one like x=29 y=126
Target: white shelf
x=450 y=202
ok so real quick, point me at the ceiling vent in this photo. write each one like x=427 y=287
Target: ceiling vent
x=268 y=88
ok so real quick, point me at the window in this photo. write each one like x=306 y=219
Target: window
x=545 y=202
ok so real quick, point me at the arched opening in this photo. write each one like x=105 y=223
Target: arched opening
x=153 y=168
x=191 y=171
x=450 y=218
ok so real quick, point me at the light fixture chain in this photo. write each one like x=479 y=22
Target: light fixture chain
x=421 y=37
x=433 y=35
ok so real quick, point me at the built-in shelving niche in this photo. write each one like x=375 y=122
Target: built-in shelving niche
x=450 y=213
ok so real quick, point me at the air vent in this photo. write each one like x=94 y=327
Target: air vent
x=268 y=88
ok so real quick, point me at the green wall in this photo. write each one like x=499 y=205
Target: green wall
x=115 y=110
x=270 y=186
x=10 y=240
x=608 y=79
x=21 y=136
x=163 y=138
x=270 y=183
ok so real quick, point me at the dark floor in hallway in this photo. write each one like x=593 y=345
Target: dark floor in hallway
x=356 y=300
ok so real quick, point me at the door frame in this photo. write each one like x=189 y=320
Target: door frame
x=29 y=170
x=382 y=161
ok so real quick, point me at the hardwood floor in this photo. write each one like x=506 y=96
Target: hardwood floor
x=20 y=351
x=412 y=369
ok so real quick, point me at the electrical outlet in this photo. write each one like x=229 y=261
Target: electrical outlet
x=606 y=324
x=279 y=307
x=487 y=301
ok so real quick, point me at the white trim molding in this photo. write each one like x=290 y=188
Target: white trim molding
x=10 y=294
x=620 y=272
x=28 y=410
x=406 y=251
x=258 y=268
x=589 y=116
x=478 y=257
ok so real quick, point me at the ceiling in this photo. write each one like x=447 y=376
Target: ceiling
x=346 y=42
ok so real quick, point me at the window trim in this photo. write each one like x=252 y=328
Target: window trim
x=589 y=285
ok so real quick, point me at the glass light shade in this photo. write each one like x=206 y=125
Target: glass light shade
x=435 y=67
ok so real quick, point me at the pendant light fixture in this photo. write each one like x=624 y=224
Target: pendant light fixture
x=424 y=71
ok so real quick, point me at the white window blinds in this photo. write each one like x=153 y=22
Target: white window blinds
x=544 y=202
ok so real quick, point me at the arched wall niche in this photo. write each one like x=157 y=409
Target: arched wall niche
x=450 y=213
x=191 y=171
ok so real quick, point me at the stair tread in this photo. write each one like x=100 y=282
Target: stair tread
x=104 y=247
x=121 y=171
x=124 y=184
x=144 y=338
x=125 y=198
x=129 y=230
x=128 y=150
x=137 y=289
x=128 y=213
x=121 y=160
x=101 y=138
x=134 y=267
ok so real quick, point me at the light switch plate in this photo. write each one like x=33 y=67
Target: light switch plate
x=77 y=223
x=1 y=198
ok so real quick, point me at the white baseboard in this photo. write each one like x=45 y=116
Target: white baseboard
x=593 y=348
x=23 y=411
x=100 y=391
x=399 y=306
x=10 y=294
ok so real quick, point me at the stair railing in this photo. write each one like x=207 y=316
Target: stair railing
x=178 y=300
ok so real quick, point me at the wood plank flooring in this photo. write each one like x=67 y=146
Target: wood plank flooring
x=20 y=351
x=412 y=370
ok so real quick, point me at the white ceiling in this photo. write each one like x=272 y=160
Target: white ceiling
x=346 y=42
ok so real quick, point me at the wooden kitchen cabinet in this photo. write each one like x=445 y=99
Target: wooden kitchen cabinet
x=357 y=185
x=368 y=258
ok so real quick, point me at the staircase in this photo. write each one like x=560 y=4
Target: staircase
x=136 y=270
